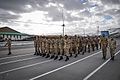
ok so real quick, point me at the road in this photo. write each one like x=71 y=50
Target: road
x=23 y=65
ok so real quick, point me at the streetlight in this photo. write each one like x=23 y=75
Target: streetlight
x=63 y=22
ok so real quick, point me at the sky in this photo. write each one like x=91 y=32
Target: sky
x=45 y=17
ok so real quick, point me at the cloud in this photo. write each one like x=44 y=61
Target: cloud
x=110 y=1
x=90 y=11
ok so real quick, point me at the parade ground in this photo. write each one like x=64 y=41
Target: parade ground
x=23 y=65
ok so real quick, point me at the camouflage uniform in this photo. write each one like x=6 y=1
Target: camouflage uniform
x=56 y=48
x=112 y=47
x=89 y=44
x=96 y=43
x=8 y=44
x=104 y=44
x=93 y=44
x=61 y=47
x=52 y=50
x=66 y=48
x=35 y=44
x=83 y=46
x=43 y=46
x=47 y=48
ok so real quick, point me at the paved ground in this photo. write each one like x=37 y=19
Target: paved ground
x=23 y=65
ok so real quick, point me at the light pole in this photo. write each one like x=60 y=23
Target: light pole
x=63 y=22
x=98 y=30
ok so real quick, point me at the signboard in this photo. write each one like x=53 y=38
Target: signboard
x=105 y=33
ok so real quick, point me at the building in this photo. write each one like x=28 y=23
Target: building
x=6 y=32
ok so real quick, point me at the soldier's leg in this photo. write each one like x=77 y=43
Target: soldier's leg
x=70 y=51
x=104 y=53
x=100 y=45
x=56 y=55
x=9 y=51
x=92 y=47
x=61 y=54
x=96 y=46
x=79 y=49
x=67 y=54
x=76 y=52
x=35 y=50
x=58 y=51
x=47 y=53
x=44 y=52
x=112 y=54
x=83 y=50
x=38 y=51
x=88 y=48
x=53 y=53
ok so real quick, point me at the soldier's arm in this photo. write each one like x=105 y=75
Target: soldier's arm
x=5 y=44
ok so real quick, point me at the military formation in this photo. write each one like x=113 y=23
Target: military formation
x=60 y=47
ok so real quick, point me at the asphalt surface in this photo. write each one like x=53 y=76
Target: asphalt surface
x=23 y=65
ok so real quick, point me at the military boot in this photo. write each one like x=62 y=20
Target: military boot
x=67 y=58
x=61 y=57
x=9 y=53
x=56 y=57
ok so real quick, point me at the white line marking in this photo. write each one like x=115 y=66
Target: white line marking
x=24 y=67
x=64 y=66
x=15 y=56
x=92 y=73
x=18 y=60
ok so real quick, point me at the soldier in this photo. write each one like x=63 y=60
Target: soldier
x=8 y=44
x=93 y=44
x=104 y=44
x=52 y=50
x=47 y=47
x=61 y=47
x=88 y=44
x=83 y=45
x=66 y=47
x=70 y=44
x=40 y=45
x=76 y=45
x=99 y=42
x=96 y=42
x=56 y=49
x=43 y=46
x=80 y=45
x=112 y=47
x=35 y=45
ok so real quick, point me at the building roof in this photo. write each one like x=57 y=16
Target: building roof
x=9 y=31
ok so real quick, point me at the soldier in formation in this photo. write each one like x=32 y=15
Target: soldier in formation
x=104 y=45
x=8 y=44
x=60 y=47
x=112 y=47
